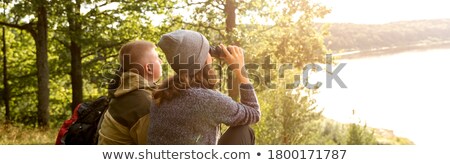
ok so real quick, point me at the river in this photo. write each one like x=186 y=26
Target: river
x=407 y=92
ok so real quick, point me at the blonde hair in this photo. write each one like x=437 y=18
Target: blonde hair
x=172 y=87
x=134 y=54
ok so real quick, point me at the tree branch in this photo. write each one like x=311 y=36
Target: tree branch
x=66 y=44
x=102 y=47
x=218 y=5
x=97 y=8
x=27 y=27
x=21 y=27
x=104 y=4
x=201 y=25
x=187 y=4
x=270 y=28
x=196 y=3
x=206 y=26
x=221 y=2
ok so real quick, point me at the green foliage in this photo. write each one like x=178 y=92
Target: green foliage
x=22 y=79
x=280 y=29
x=289 y=117
x=103 y=32
x=358 y=135
x=330 y=132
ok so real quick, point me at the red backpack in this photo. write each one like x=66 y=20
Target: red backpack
x=65 y=126
x=82 y=127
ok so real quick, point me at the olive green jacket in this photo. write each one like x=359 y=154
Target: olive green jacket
x=127 y=118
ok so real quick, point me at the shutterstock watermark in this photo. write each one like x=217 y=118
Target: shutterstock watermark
x=261 y=74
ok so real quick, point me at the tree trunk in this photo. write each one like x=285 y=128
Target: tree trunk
x=230 y=13
x=41 y=39
x=40 y=36
x=73 y=15
x=5 y=78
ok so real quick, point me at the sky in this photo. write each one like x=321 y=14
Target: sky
x=384 y=11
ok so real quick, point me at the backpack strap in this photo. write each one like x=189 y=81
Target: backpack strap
x=99 y=124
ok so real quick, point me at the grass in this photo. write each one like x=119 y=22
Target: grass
x=21 y=135
x=14 y=134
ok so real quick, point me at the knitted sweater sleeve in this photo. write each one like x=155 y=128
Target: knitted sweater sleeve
x=226 y=110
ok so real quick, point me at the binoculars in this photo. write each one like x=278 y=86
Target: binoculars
x=216 y=51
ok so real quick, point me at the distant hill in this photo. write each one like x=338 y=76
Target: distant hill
x=350 y=37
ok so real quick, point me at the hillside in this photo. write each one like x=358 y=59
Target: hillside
x=350 y=37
